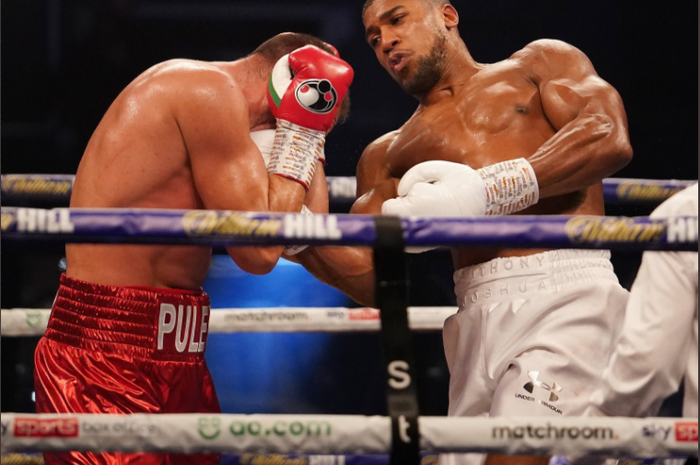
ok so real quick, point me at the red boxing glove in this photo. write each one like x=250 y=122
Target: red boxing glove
x=305 y=91
x=307 y=87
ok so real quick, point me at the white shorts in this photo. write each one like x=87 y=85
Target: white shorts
x=532 y=335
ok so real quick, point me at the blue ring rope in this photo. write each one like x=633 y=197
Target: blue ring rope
x=229 y=228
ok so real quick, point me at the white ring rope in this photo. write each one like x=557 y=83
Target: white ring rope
x=32 y=321
x=327 y=434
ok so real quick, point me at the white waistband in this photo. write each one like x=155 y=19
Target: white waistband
x=558 y=267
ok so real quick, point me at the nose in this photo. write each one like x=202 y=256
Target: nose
x=389 y=41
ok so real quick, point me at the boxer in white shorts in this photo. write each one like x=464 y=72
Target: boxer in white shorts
x=533 y=134
x=532 y=335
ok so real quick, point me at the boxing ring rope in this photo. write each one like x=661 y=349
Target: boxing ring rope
x=230 y=228
x=58 y=188
x=329 y=434
x=20 y=322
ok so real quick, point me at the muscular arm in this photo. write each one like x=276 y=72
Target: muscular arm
x=592 y=140
x=351 y=269
x=228 y=169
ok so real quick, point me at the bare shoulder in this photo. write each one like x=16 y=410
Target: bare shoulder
x=371 y=168
x=375 y=153
x=189 y=78
x=548 y=48
x=207 y=77
x=183 y=67
x=547 y=58
x=374 y=182
x=197 y=86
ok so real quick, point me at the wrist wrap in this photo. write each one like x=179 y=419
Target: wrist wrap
x=511 y=186
x=295 y=151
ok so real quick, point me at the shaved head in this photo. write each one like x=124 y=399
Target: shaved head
x=433 y=3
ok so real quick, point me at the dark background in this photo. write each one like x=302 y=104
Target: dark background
x=64 y=61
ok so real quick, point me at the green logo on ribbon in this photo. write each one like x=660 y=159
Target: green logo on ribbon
x=209 y=427
x=33 y=319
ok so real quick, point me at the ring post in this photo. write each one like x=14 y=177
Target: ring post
x=391 y=295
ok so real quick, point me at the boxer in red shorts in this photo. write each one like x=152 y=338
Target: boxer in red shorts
x=128 y=328
x=102 y=339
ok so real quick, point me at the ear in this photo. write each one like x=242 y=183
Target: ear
x=450 y=16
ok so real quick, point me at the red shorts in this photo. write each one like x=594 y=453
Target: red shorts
x=124 y=350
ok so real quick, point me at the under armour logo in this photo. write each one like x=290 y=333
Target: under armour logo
x=553 y=389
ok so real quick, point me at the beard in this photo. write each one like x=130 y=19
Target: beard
x=429 y=69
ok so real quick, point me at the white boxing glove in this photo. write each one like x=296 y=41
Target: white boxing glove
x=445 y=189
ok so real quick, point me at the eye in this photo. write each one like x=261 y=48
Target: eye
x=374 y=41
x=397 y=19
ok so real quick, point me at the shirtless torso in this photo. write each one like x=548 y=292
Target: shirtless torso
x=178 y=137
x=545 y=104
x=496 y=115
x=137 y=159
